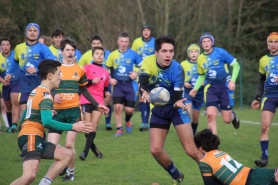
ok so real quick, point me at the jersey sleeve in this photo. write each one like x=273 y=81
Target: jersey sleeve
x=134 y=46
x=138 y=60
x=106 y=83
x=200 y=69
x=261 y=67
x=145 y=68
x=228 y=58
x=179 y=79
x=109 y=62
x=205 y=169
x=47 y=54
x=16 y=53
x=83 y=81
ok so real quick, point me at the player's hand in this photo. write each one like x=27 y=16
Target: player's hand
x=145 y=96
x=8 y=77
x=4 y=82
x=193 y=93
x=232 y=85
x=103 y=109
x=132 y=75
x=58 y=98
x=53 y=112
x=83 y=126
x=113 y=81
x=96 y=80
x=180 y=104
x=31 y=70
x=255 y=104
x=187 y=85
x=107 y=94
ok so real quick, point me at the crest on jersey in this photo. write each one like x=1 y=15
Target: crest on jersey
x=128 y=60
x=22 y=56
x=75 y=75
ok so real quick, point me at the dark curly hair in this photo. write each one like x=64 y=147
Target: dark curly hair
x=207 y=140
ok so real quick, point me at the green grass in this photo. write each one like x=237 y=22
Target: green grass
x=127 y=160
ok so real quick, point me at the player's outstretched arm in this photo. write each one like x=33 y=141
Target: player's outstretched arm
x=82 y=126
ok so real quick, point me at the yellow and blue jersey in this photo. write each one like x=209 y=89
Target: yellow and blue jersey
x=171 y=77
x=143 y=48
x=215 y=66
x=5 y=63
x=29 y=56
x=87 y=58
x=269 y=67
x=121 y=64
x=191 y=76
x=57 y=52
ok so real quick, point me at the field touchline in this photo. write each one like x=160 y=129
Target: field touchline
x=255 y=123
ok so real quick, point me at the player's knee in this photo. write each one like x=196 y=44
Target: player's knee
x=211 y=117
x=227 y=119
x=118 y=109
x=30 y=177
x=70 y=146
x=156 y=151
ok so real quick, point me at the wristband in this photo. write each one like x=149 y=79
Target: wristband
x=258 y=98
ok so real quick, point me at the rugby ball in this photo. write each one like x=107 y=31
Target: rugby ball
x=159 y=96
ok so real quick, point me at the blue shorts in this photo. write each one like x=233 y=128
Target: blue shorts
x=215 y=94
x=162 y=117
x=23 y=97
x=269 y=104
x=124 y=89
x=136 y=89
x=7 y=90
x=195 y=104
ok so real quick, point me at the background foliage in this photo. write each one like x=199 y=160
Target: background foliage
x=239 y=26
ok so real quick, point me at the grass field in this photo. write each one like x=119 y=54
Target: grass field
x=127 y=160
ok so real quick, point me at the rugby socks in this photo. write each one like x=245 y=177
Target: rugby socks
x=119 y=128
x=5 y=119
x=145 y=111
x=90 y=139
x=72 y=172
x=108 y=116
x=173 y=171
x=194 y=127
x=9 y=116
x=127 y=117
x=264 y=148
x=45 y=181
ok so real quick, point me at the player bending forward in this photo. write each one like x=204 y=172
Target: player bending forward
x=217 y=167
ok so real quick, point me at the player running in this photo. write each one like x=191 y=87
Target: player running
x=213 y=66
x=144 y=46
x=267 y=94
x=193 y=105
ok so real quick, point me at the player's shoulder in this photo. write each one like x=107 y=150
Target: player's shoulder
x=150 y=58
x=265 y=58
x=41 y=93
x=89 y=53
x=184 y=62
x=20 y=45
x=137 y=40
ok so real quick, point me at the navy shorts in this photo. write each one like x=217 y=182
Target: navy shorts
x=23 y=97
x=162 y=117
x=124 y=90
x=89 y=108
x=7 y=90
x=215 y=94
x=269 y=104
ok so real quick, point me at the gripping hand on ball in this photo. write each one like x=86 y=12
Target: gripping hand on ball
x=145 y=96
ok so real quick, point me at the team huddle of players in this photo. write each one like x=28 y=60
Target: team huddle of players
x=53 y=84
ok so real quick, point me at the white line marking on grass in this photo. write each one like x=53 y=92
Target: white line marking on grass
x=255 y=123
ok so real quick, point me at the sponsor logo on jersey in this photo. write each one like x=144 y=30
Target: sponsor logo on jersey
x=36 y=56
x=128 y=60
